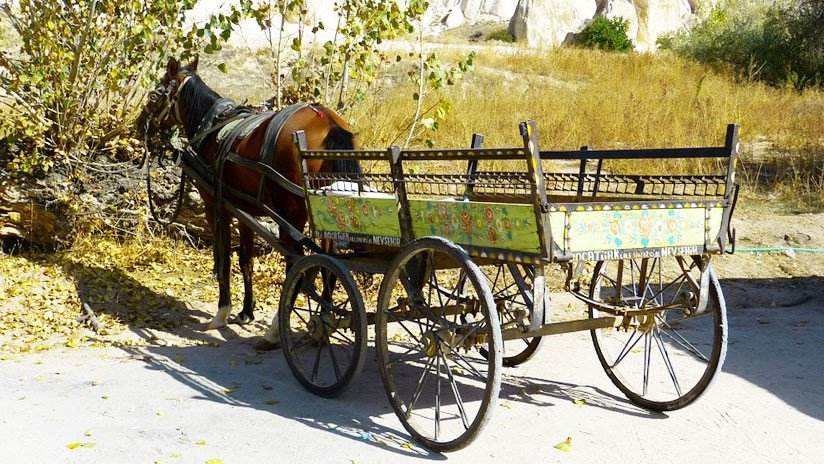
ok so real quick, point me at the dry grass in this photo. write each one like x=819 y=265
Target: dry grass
x=607 y=100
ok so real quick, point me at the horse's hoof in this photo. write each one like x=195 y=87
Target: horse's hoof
x=264 y=345
x=215 y=325
x=243 y=319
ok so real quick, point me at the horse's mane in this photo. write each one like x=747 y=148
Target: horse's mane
x=198 y=98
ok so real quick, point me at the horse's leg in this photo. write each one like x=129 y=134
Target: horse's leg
x=247 y=263
x=222 y=249
x=271 y=339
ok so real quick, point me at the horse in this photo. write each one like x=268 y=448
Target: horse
x=181 y=98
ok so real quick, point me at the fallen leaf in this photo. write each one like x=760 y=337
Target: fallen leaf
x=227 y=390
x=272 y=402
x=252 y=361
x=506 y=404
x=565 y=446
x=175 y=455
x=88 y=445
x=180 y=359
x=73 y=445
x=201 y=442
x=407 y=445
x=214 y=461
x=88 y=433
x=580 y=401
x=105 y=397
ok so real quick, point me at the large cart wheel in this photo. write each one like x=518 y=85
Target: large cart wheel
x=442 y=311
x=513 y=294
x=672 y=338
x=322 y=325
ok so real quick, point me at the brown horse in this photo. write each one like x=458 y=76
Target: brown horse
x=181 y=98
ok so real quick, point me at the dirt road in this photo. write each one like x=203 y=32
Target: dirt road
x=193 y=404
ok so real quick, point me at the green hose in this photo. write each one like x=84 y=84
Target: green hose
x=794 y=249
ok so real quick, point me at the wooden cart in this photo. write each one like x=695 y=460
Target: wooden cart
x=464 y=239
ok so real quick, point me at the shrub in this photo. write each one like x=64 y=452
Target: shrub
x=780 y=43
x=501 y=34
x=607 y=34
x=78 y=72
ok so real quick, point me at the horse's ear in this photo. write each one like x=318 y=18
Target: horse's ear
x=193 y=64
x=171 y=67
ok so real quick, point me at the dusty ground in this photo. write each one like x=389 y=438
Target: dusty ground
x=174 y=402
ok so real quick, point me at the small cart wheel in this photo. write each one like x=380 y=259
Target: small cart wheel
x=671 y=337
x=513 y=294
x=442 y=311
x=322 y=325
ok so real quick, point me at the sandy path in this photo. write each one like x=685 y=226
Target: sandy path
x=157 y=404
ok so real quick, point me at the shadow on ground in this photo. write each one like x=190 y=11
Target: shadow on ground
x=775 y=342
x=776 y=337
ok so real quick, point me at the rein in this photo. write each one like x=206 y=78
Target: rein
x=181 y=189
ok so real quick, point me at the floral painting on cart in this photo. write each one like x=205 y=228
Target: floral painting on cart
x=489 y=225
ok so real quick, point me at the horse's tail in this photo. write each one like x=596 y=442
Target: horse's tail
x=339 y=138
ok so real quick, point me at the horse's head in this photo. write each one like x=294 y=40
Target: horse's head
x=162 y=109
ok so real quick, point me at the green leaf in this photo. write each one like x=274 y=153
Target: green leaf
x=222 y=68
x=565 y=446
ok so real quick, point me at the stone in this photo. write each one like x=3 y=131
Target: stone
x=454 y=18
x=550 y=22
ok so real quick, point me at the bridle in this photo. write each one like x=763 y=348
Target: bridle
x=170 y=92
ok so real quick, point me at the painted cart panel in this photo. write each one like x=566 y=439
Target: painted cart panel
x=502 y=226
x=668 y=228
x=369 y=219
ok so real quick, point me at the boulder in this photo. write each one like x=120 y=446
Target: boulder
x=454 y=18
x=501 y=8
x=657 y=17
x=471 y=8
x=550 y=22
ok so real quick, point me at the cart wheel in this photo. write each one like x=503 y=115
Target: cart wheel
x=666 y=351
x=440 y=387
x=512 y=291
x=322 y=325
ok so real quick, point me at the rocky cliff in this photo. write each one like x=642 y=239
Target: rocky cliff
x=553 y=22
x=536 y=22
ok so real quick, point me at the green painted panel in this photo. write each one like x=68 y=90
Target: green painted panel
x=556 y=225
x=355 y=215
x=716 y=216
x=621 y=229
x=488 y=225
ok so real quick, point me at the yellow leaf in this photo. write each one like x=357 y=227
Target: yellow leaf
x=180 y=359
x=88 y=433
x=73 y=445
x=506 y=404
x=175 y=455
x=88 y=445
x=201 y=442
x=214 y=461
x=407 y=445
x=565 y=446
x=227 y=390
x=580 y=401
